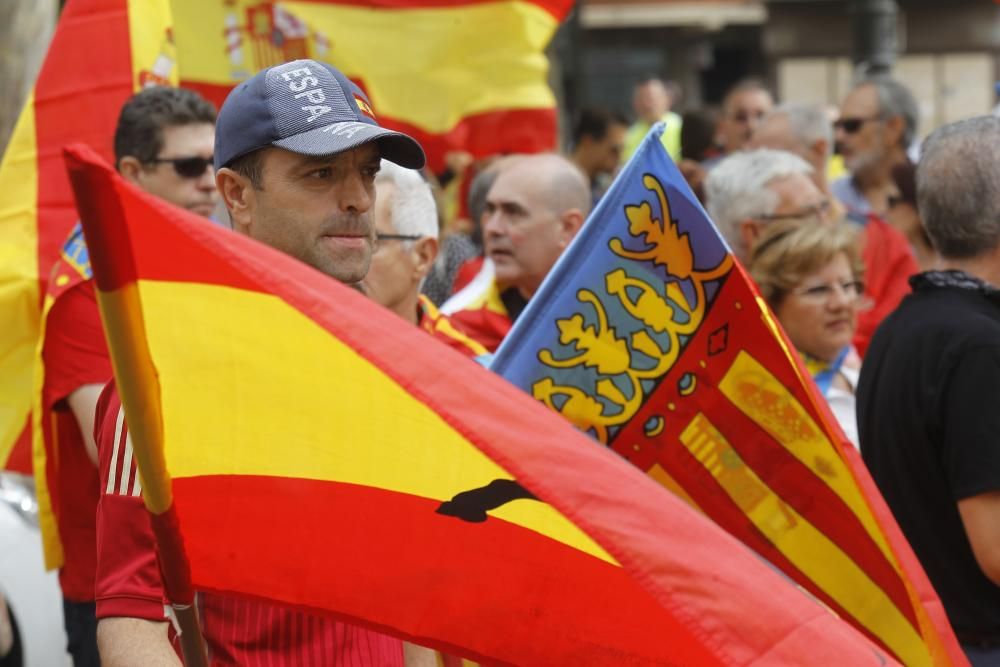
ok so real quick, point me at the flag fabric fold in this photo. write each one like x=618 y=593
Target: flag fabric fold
x=320 y=453
x=650 y=337
x=101 y=52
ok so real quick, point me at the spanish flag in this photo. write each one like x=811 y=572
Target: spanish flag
x=456 y=75
x=316 y=451
x=102 y=52
x=649 y=336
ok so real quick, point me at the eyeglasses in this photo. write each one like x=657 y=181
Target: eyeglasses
x=821 y=293
x=186 y=167
x=398 y=237
x=820 y=209
x=852 y=125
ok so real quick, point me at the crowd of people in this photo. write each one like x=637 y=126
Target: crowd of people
x=886 y=280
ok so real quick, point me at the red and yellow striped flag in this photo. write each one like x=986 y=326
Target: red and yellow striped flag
x=102 y=51
x=455 y=74
x=316 y=451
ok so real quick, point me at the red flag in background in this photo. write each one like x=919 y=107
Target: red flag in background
x=455 y=74
x=317 y=453
x=102 y=51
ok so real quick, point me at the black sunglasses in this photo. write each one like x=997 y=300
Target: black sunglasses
x=852 y=125
x=186 y=167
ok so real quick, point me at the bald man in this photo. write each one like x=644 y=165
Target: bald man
x=535 y=207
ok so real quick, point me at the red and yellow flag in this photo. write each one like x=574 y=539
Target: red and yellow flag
x=102 y=51
x=316 y=451
x=649 y=336
x=455 y=74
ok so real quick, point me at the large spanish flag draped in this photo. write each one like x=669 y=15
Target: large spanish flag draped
x=650 y=337
x=316 y=450
x=102 y=51
x=455 y=74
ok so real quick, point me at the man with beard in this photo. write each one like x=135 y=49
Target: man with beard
x=297 y=149
x=877 y=124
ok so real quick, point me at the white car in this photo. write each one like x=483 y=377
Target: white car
x=32 y=594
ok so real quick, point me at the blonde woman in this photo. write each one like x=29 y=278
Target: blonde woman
x=810 y=274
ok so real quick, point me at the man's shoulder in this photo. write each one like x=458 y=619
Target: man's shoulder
x=945 y=321
x=844 y=189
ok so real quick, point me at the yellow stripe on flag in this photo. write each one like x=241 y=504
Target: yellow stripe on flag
x=788 y=423
x=452 y=48
x=194 y=372
x=19 y=298
x=807 y=548
x=154 y=57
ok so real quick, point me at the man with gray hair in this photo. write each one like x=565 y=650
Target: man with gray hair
x=804 y=130
x=930 y=387
x=889 y=261
x=877 y=124
x=750 y=189
x=406 y=233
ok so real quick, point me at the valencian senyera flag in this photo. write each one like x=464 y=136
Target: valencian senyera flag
x=651 y=338
x=317 y=451
x=102 y=51
x=455 y=74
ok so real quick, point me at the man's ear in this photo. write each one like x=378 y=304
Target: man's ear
x=131 y=169
x=819 y=151
x=424 y=251
x=749 y=233
x=570 y=223
x=894 y=128
x=239 y=197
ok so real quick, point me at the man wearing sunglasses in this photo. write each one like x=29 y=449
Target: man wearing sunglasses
x=163 y=144
x=877 y=124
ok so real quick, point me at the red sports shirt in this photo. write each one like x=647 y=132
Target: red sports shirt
x=237 y=631
x=889 y=263
x=74 y=354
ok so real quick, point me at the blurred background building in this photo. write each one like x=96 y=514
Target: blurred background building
x=946 y=52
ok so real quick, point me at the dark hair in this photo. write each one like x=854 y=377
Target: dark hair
x=144 y=116
x=594 y=122
x=744 y=85
x=698 y=133
x=251 y=167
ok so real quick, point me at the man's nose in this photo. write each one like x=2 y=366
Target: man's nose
x=355 y=194
x=493 y=224
x=206 y=181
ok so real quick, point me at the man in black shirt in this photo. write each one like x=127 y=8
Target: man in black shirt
x=929 y=394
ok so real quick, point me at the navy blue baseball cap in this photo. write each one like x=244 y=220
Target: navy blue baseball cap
x=306 y=107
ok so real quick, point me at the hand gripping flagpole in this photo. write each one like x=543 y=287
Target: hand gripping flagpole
x=117 y=292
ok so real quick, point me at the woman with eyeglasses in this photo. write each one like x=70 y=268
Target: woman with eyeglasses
x=810 y=276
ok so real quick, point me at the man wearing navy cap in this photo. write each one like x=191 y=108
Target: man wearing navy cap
x=297 y=148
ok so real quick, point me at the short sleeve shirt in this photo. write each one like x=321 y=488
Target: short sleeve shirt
x=74 y=354
x=929 y=421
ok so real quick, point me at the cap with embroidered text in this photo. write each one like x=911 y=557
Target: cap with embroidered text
x=306 y=107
